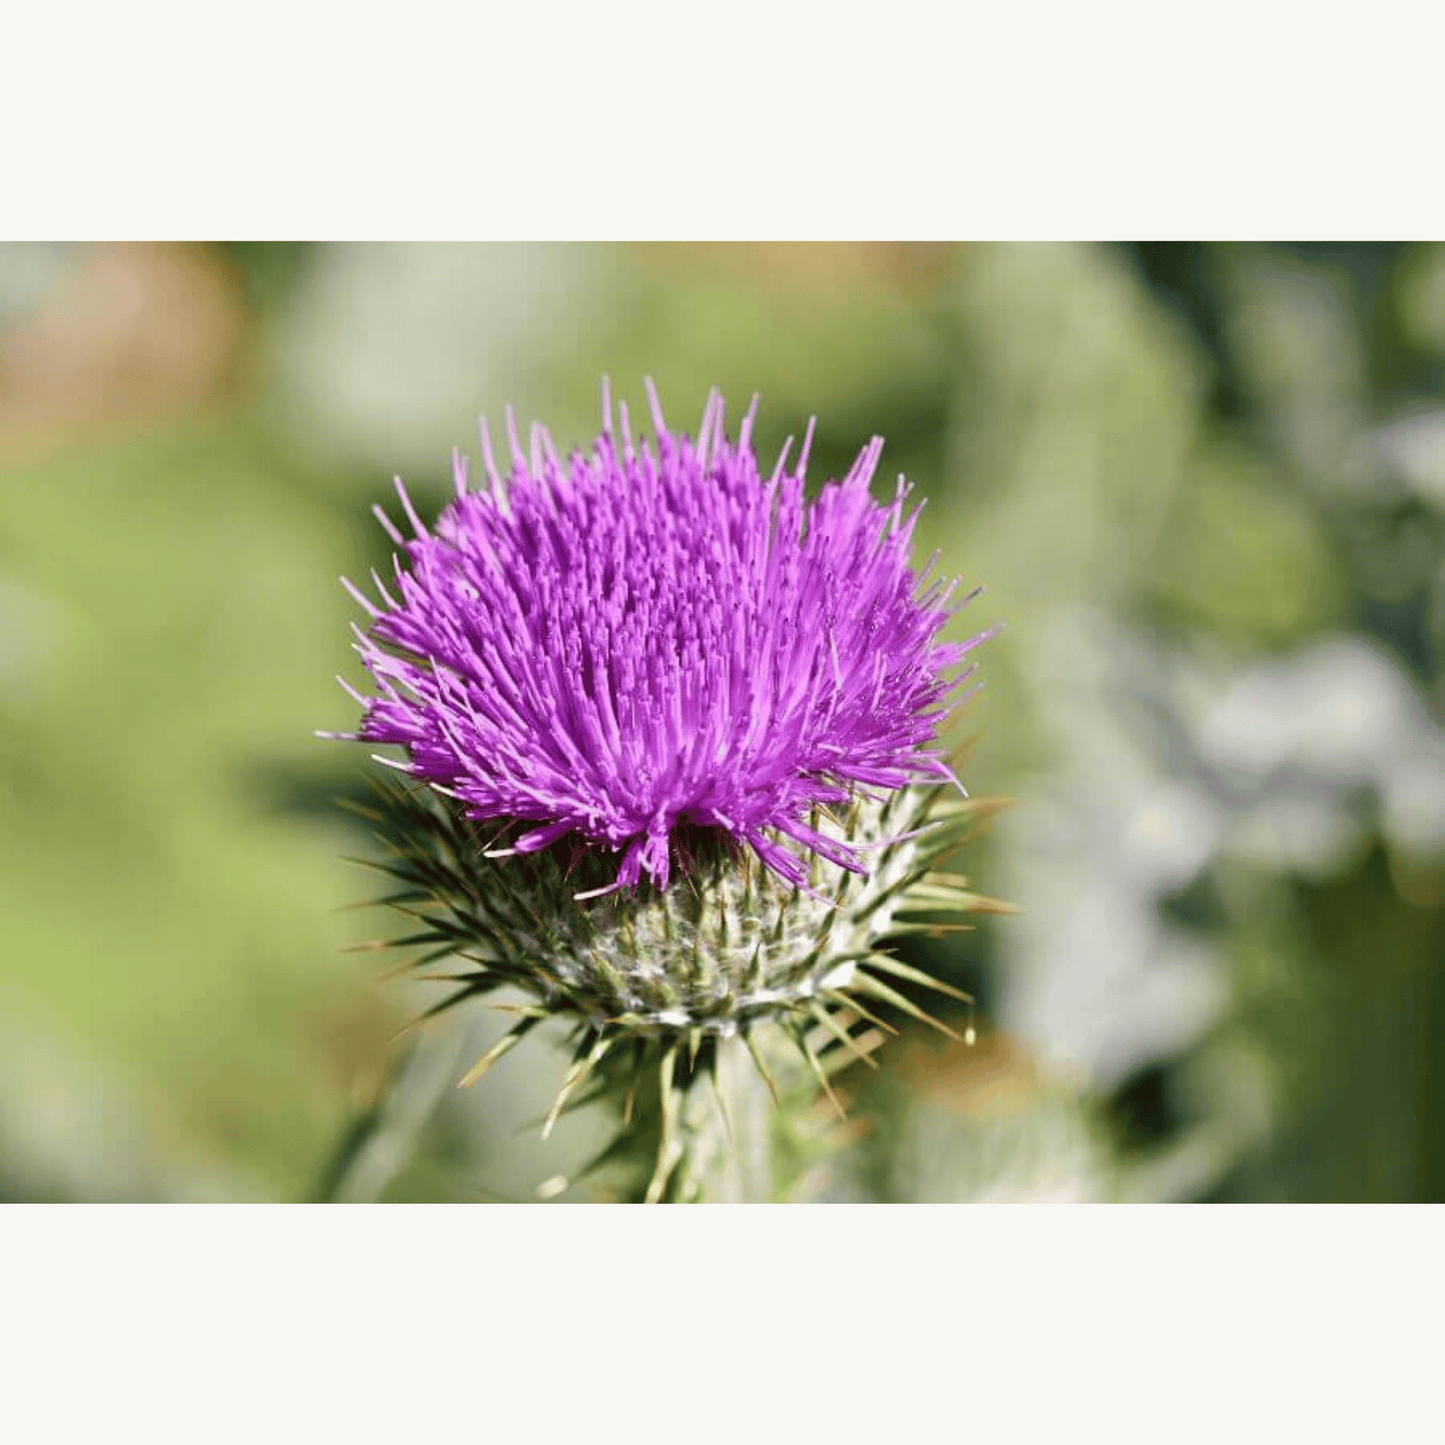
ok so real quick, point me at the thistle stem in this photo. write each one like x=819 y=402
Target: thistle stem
x=730 y=1154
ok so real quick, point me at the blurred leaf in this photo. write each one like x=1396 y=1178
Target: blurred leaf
x=1243 y=557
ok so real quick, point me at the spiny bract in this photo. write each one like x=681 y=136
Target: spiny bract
x=663 y=654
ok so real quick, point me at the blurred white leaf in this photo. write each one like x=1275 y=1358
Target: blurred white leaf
x=1339 y=709
x=1414 y=446
x=391 y=351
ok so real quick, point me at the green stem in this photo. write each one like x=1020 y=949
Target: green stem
x=730 y=1155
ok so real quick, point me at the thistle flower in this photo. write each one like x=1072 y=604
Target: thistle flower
x=673 y=726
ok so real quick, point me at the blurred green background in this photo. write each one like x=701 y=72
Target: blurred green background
x=1204 y=486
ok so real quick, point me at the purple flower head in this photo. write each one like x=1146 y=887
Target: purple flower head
x=657 y=635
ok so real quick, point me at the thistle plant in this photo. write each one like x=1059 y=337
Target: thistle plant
x=671 y=772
